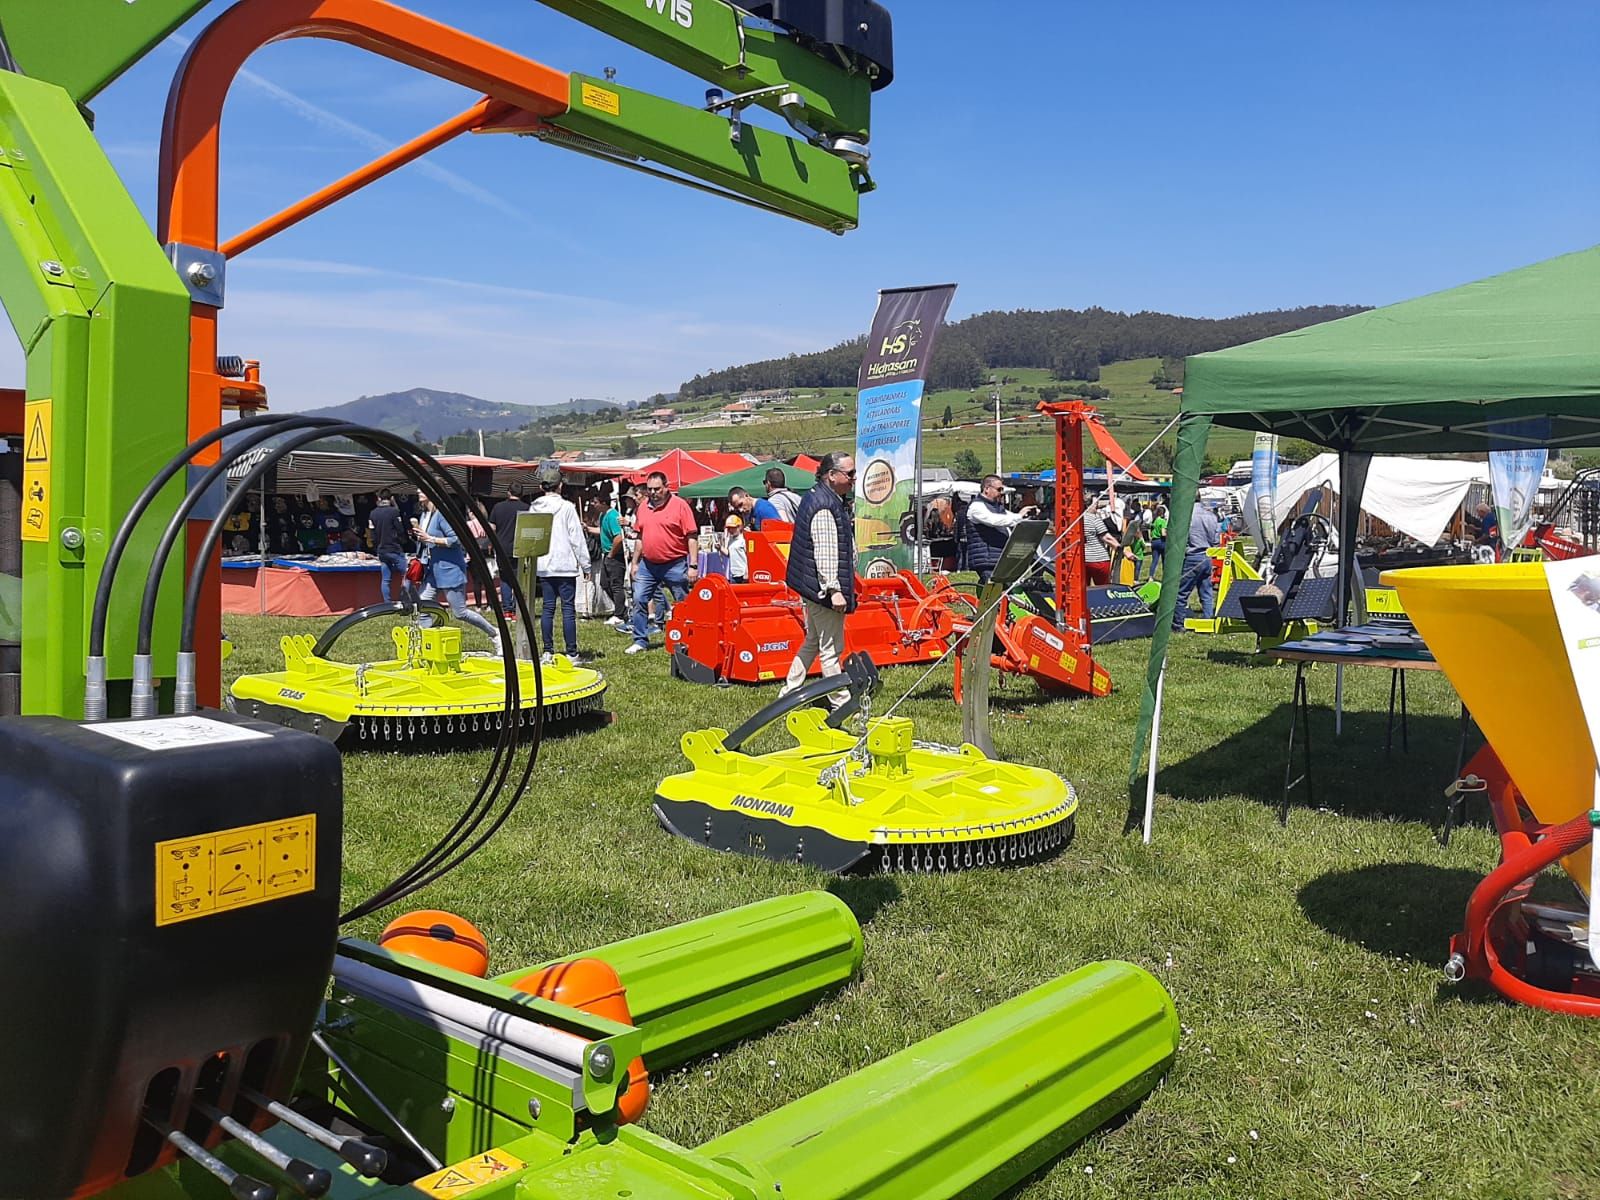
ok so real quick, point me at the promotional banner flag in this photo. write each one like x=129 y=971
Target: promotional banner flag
x=1264 y=484
x=894 y=374
x=1515 y=473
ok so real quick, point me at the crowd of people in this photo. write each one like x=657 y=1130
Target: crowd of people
x=639 y=547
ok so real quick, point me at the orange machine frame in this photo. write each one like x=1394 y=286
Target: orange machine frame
x=190 y=168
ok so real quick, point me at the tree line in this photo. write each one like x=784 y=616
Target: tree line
x=1073 y=343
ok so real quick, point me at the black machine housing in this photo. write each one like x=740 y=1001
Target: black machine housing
x=121 y=1001
x=859 y=32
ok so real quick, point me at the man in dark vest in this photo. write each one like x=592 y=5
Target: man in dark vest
x=989 y=526
x=822 y=569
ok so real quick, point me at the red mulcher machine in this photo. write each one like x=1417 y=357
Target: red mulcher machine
x=725 y=632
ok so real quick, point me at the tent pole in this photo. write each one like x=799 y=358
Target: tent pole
x=261 y=553
x=1155 y=756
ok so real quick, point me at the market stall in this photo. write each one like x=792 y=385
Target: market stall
x=1506 y=362
x=299 y=587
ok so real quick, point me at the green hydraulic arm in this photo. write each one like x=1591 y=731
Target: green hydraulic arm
x=102 y=320
x=83 y=45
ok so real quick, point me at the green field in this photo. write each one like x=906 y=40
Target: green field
x=1323 y=1055
x=1135 y=412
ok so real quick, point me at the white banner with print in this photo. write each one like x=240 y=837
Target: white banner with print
x=1575 y=592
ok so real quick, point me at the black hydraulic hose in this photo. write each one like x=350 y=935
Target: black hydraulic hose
x=429 y=867
x=430 y=474
x=136 y=511
x=384 y=608
x=180 y=519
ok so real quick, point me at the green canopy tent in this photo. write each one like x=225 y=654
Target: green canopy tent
x=751 y=479
x=1509 y=360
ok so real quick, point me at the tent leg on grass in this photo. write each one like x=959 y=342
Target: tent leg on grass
x=1155 y=757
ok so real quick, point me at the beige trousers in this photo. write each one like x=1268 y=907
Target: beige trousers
x=825 y=640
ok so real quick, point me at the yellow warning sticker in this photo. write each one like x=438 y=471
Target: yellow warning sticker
x=462 y=1177
x=600 y=98
x=36 y=441
x=217 y=872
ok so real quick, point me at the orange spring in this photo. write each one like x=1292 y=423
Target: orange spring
x=593 y=987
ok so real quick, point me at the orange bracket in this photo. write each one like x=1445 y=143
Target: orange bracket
x=189 y=175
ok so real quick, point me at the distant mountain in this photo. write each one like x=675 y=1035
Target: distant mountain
x=440 y=414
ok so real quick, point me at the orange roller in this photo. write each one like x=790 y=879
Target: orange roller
x=438 y=937
x=593 y=987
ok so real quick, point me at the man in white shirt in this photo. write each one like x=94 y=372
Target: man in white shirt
x=559 y=568
x=989 y=526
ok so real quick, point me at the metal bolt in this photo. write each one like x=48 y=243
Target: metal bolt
x=72 y=538
x=202 y=274
x=1456 y=969
x=447 y=1105
x=534 y=1107
x=51 y=267
x=601 y=1061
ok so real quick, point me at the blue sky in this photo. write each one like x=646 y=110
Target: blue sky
x=1204 y=159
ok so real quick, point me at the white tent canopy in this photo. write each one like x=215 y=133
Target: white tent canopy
x=1417 y=496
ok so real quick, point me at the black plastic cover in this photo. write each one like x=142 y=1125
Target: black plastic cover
x=861 y=29
x=102 y=1010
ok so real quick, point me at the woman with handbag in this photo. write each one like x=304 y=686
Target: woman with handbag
x=446 y=566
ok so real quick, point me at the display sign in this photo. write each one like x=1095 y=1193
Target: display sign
x=894 y=374
x=531 y=539
x=1575 y=593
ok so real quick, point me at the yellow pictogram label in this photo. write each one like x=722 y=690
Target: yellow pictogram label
x=36 y=471
x=600 y=98
x=216 y=872
x=462 y=1177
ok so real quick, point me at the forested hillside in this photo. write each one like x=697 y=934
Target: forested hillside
x=1073 y=344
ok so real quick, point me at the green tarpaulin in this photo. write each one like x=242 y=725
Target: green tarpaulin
x=1458 y=370
x=751 y=479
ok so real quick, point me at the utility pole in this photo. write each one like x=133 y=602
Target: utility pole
x=994 y=394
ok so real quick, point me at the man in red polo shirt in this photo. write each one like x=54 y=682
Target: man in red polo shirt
x=666 y=528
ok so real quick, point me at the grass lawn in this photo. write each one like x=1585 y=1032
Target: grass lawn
x=1323 y=1055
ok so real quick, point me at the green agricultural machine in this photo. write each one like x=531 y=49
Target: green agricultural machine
x=184 y=1021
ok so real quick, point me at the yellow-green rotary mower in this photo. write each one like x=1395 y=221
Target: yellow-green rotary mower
x=427 y=694
x=880 y=800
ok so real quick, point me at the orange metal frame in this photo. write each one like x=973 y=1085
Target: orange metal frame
x=190 y=175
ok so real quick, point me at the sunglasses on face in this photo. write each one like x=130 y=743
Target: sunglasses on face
x=846 y=474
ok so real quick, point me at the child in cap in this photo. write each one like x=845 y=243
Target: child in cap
x=733 y=546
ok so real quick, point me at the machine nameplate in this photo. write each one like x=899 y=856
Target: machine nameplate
x=601 y=99
x=235 y=868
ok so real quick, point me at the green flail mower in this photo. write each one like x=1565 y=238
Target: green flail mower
x=429 y=695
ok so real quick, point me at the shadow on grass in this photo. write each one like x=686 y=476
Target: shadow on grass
x=1399 y=910
x=865 y=895
x=1240 y=658
x=1350 y=774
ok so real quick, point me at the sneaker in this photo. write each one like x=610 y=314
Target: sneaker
x=614 y=621
x=636 y=648
x=576 y=659
x=624 y=627
x=547 y=659
x=496 y=650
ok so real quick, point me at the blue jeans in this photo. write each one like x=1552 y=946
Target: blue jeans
x=565 y=589
x=456 y=600
x=508 y=601
x=1196 y=574
x=1158 y=550
x=653 y=579
x=392 y=562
